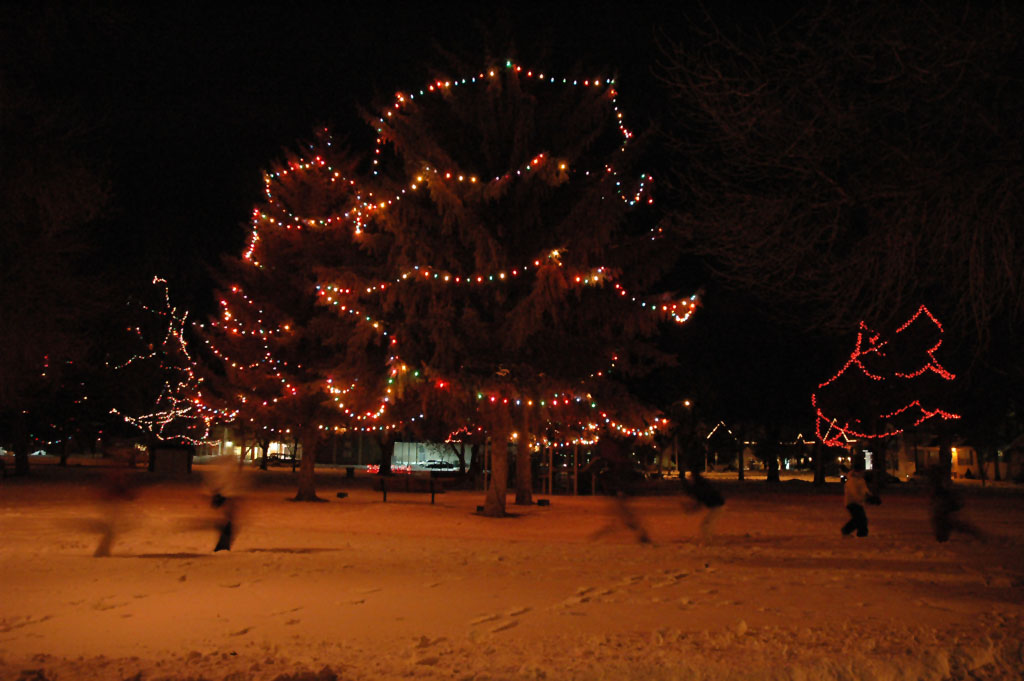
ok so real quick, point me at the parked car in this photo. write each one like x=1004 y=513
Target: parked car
x=436 y=467
x=441 y=465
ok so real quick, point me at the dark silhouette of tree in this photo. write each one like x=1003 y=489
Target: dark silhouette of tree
x=54 y=191
x=857 y=161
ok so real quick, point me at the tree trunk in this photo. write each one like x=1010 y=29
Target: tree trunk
x=524 y=472
x=881 y=464
x=307 y=489
x=945 y=454
x=264 y=449
x=739 y=458
x=460 y=456
x=475 y=465
x=494 y=504
x=675 y=447
x=387 y=454
x=768 y=452
x=21 y=445
x=818 y=452
x=773 y=466
x=917 y=454
x=65 y=448
x=150 y=446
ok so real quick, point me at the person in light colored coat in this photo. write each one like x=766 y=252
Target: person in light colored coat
x=855 y=494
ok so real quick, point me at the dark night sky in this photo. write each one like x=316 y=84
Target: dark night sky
x=188 y=106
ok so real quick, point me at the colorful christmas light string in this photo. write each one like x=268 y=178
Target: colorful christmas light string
x=365 y=206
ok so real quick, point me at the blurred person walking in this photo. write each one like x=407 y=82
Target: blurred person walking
x=617 y=476
x=227 y=486
x=704 y=496
x=945 y=504
x=226 y=523
x=115 y=494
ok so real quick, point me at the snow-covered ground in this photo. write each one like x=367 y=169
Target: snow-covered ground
x=358 y=589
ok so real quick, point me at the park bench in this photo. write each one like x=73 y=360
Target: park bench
x=410 y=483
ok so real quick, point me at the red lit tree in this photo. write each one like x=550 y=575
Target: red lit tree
x=886 y=386
x=517 y=243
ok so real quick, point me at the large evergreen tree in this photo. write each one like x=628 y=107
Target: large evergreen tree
x=287 y=362
x=518 y=238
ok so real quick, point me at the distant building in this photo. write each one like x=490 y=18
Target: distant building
x=912 y=457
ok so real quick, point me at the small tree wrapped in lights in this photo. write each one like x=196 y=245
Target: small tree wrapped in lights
x=886 y=387
x=160 y=381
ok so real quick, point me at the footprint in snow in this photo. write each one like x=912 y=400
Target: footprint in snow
x=286 y=612
x=425 y=642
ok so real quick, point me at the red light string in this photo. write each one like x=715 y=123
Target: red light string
x=870 y=345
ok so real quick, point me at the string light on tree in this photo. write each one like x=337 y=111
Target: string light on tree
x=318 y=200
x=881 y=361
x=178 y=413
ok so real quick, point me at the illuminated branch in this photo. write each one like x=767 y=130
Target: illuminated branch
x=177 y=412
